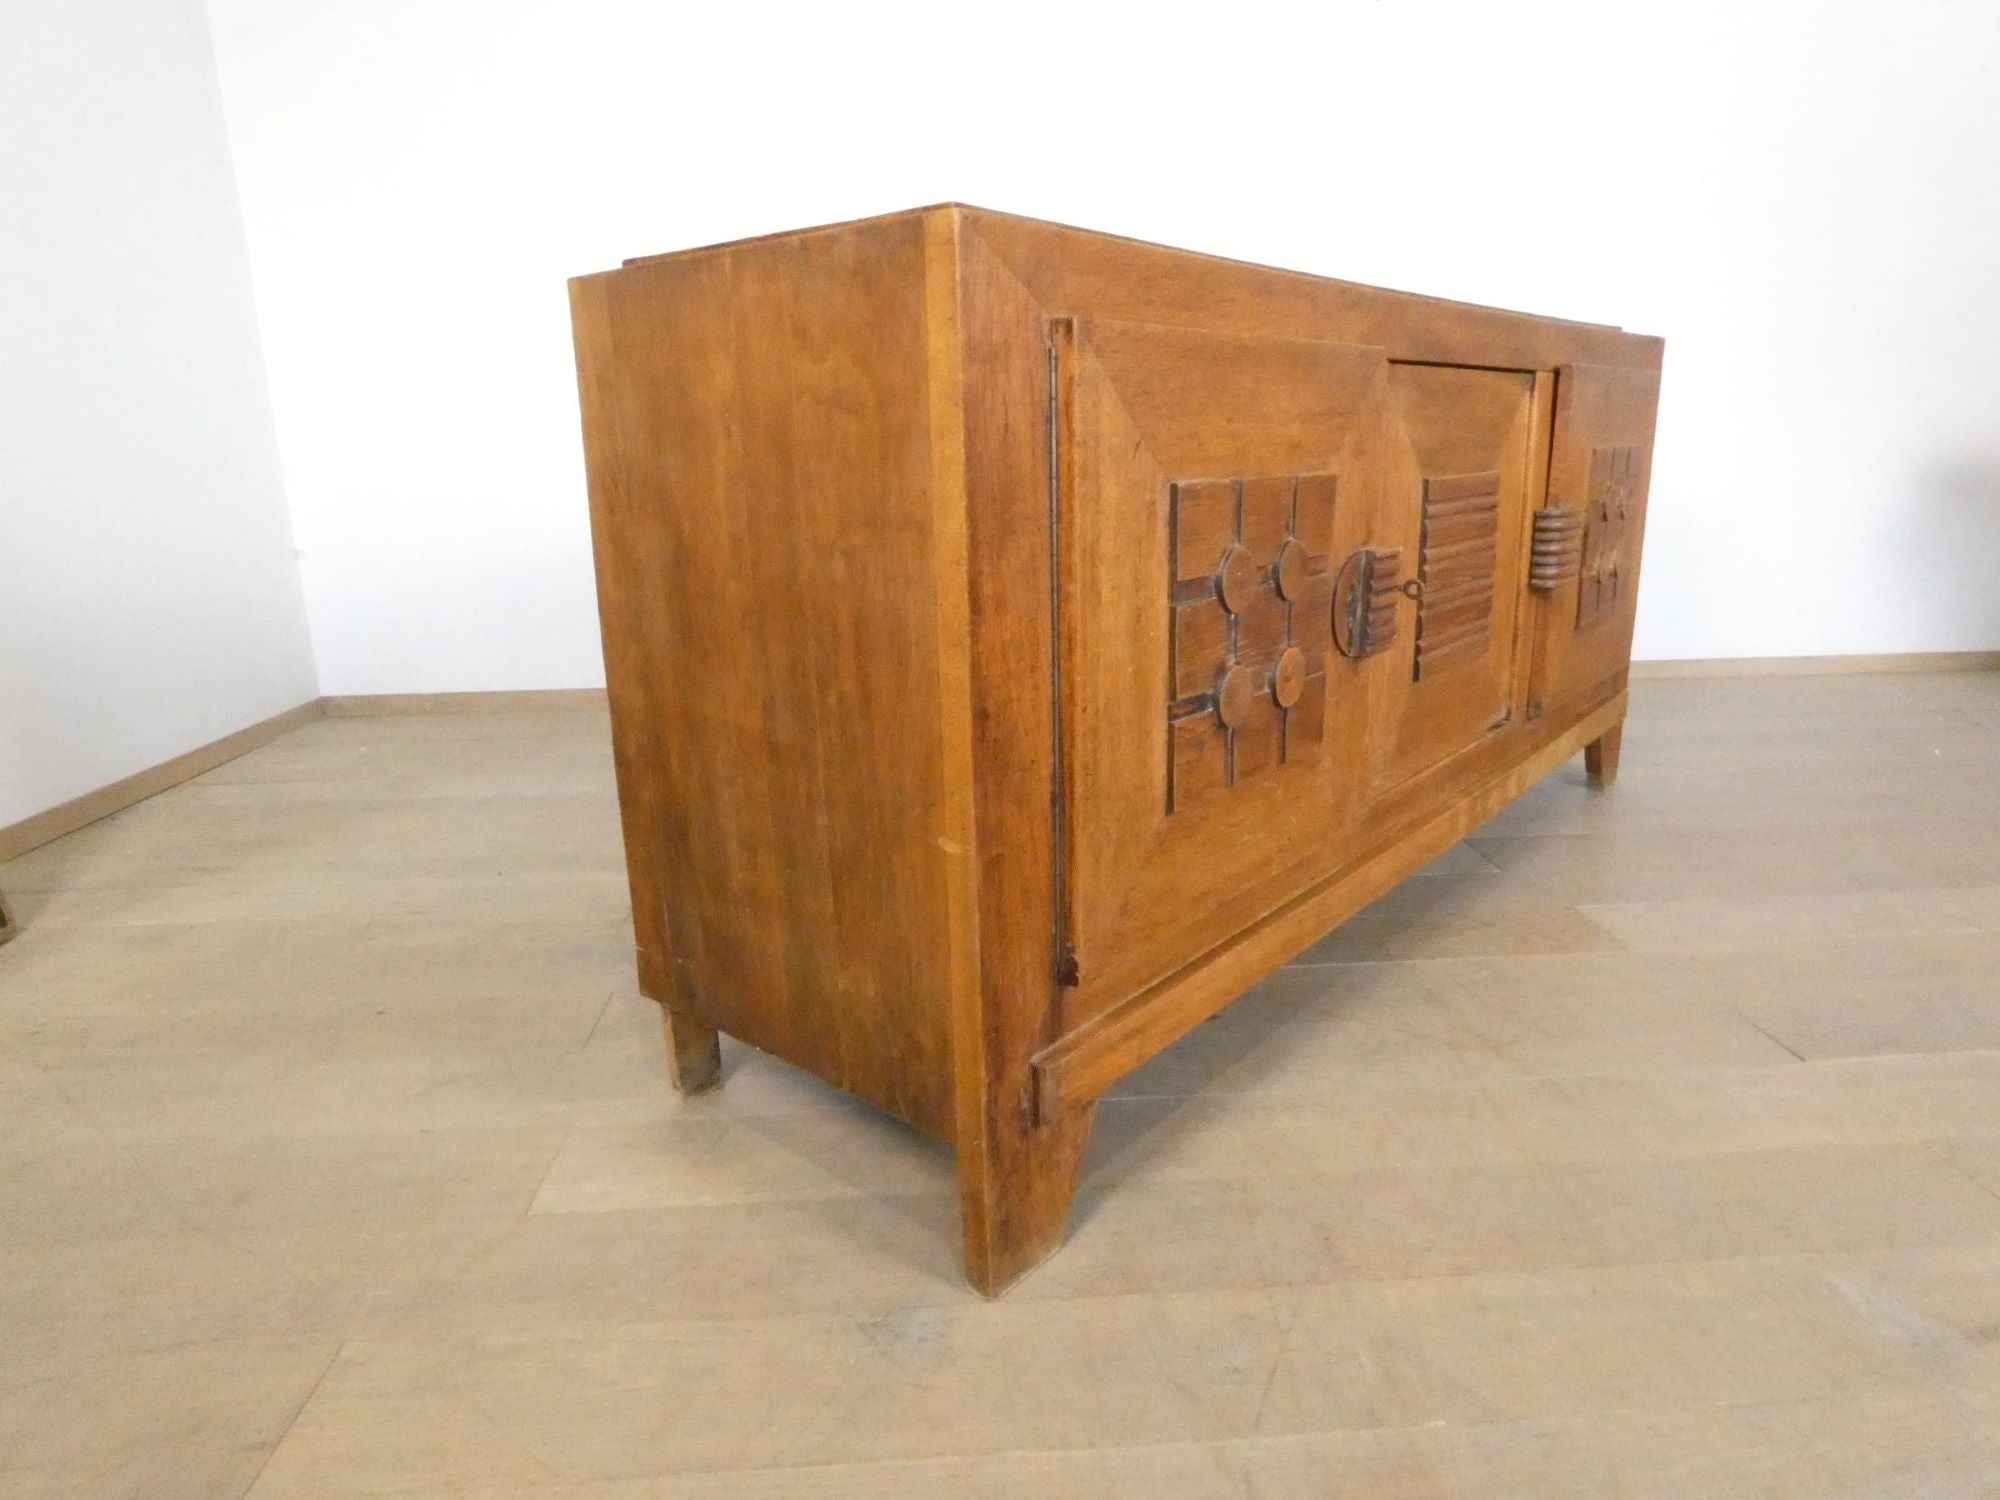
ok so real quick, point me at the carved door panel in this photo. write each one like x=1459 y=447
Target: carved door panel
x=1457 y=475
x=1585 y=582
x=1212 y=739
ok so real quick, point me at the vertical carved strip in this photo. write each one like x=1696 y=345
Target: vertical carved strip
x=1607 y=505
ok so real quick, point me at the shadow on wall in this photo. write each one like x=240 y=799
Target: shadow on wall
x=1958 y=506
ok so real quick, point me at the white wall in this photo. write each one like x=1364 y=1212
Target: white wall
x=149 y=600
x=1800 y=196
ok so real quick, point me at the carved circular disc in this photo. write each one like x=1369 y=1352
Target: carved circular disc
x=1234 y=696
x=1236 y=579
x=1288 y=678
x=1291 y=570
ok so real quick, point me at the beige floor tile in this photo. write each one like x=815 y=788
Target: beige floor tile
x=946 y=1381
x=199 y=1419
x=1310 y=1027
x=1849 y=997
x=1643 y=1146
x=1894 y=1445
x=1372 y=1122
x=1155 y=1232
x=560 y=898
x=1469 y=916
x=1979 y=1159
x=1746 y=923
x=841 y=1149
x=1755 y=863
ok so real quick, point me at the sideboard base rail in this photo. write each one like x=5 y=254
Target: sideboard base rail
x=1089 y=1060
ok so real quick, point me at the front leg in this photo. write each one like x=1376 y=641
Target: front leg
x=1016 y=1183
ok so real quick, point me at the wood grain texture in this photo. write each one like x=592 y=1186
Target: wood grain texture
x=1151 y=878
x=1017 y=1174
x=969 y=593
x=1458 y=475
x=757 y=423
x=1073 y=269
x=1600 y=463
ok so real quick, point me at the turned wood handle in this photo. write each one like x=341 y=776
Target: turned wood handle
x=1556 y=556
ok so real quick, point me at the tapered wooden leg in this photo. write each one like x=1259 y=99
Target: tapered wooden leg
x=1015 y=1190
x=694 y=1051
x=1600 y=756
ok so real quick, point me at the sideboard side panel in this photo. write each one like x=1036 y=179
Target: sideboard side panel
x=756 y=429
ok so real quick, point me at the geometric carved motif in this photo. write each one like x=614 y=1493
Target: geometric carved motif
x=1614 y=475
x=1252 y=622
x=1456 y=568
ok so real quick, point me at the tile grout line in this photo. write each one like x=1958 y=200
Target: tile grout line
x=299 y=1411
x=1932 y=1147
x=1737 y=1011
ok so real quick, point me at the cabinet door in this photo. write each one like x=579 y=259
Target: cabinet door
x=1457 y=474
x=1587 y=572
x=1212 y=739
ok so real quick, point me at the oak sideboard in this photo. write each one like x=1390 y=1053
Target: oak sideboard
x=1020 y=640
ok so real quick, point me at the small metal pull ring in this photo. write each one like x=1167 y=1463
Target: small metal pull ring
x=1413 y=588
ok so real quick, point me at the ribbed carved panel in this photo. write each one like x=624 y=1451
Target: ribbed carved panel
x=1455 y=566
x=1558 y=548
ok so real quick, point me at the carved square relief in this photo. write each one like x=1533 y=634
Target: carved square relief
x=1250 y=597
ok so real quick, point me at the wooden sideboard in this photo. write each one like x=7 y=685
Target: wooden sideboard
x=1020 y=640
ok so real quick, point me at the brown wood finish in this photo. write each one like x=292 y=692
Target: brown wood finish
x=761 y=493
x=1020 y=640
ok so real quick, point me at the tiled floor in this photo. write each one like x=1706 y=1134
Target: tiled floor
x=1647 y=1144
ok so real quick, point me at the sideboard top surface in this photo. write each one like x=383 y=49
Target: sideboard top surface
x=1021 y=232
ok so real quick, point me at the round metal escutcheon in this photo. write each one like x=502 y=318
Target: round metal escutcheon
x=1234 y=695
x=1288 y=678
x=1291 y=571
x=1236 y=579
